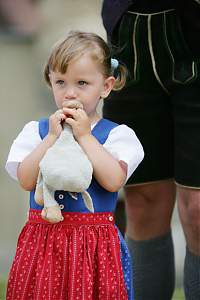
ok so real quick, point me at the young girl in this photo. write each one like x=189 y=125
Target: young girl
x=84 y=256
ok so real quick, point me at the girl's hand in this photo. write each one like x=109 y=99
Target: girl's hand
x=79 y=122
x=55 y=126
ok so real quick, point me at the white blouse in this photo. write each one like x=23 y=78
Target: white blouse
x=122 y=143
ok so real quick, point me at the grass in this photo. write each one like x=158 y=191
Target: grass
x=2 y=289
x=178 y=295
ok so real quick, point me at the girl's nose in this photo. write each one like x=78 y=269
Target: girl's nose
x=70 y=93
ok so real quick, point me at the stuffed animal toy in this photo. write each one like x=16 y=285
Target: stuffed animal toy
x=65 y=166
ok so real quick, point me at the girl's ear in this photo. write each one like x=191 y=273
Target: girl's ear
x=108 y=86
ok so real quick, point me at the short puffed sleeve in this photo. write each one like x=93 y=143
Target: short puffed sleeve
x=124 y=145
x=27 y=140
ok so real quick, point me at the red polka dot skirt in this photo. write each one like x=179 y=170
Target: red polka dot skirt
x=76 y=259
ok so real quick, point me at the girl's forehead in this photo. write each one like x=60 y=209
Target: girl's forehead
x=89 y=57
x=83 y=62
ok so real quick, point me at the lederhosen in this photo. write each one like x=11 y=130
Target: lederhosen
x=161 y=100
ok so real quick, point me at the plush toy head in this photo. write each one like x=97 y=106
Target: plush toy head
x=65 y=166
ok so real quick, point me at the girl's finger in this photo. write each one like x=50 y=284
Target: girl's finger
x=67 y=109
x=76 y=114
x=63 y=117
x=60 y=115
x=70 y=121
x=70 y=112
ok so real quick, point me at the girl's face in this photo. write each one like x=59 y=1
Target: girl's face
x=83 y=81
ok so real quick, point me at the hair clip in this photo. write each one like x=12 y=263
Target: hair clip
x=114 y=63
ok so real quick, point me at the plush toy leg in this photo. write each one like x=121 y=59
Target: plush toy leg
x=39 y=190
x=51 y=211
x=52 y=214
x=88 y=201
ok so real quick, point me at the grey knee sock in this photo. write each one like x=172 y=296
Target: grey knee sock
x=153 y=268
x=192 y=276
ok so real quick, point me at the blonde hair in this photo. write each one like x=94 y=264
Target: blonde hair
x=74 y=46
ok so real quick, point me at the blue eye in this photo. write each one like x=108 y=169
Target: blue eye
x=82 y=82
x=59 y=82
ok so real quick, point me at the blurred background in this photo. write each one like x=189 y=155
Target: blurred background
x=27 y=31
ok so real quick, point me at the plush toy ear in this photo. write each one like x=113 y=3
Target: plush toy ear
x=88 y=201
x=39 y=190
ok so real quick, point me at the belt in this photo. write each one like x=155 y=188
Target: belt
x=75 y=218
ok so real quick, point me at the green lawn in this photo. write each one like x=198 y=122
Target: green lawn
x=2 y=289
x=177 y=296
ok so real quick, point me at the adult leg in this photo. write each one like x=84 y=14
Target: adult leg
x=149 y=209
x=189 y=211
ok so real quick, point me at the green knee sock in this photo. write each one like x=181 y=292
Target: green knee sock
x=153 y=268
x=192 y=276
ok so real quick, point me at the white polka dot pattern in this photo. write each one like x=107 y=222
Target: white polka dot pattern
x=65 y=261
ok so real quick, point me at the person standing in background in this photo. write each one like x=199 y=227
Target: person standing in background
x=20 y=19
x=158 y=42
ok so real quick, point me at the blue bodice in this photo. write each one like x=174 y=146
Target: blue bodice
x=103 y=200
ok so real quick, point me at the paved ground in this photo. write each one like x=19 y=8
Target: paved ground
x=25 y=97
